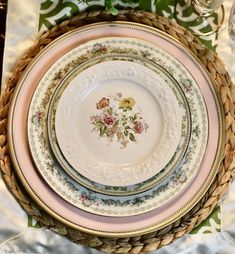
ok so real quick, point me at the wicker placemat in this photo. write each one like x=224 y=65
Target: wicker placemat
x=201 y=211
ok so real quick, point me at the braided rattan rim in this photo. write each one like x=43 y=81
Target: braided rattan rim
x=201 y=211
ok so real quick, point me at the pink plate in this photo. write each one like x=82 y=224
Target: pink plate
x=75 y=217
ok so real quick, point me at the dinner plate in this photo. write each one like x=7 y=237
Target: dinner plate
x=101 y=204
x=121 y=190
x=49 y=200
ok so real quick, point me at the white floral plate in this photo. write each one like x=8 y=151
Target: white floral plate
x=117 y=123
x=101 y=204
x=49 y=200
x=185 y=129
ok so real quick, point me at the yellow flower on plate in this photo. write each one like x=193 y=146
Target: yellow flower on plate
x=127 y=103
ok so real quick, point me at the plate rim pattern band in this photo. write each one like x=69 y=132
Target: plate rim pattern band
x=176 y=215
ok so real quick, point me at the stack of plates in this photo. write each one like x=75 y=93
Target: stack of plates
x=116 y=129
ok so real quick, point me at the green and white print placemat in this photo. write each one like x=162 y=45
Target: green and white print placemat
x=53 y=12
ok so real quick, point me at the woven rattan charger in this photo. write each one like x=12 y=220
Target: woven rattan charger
x=152 y=241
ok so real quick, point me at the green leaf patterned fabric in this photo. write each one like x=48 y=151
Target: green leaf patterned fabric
x=53 y=12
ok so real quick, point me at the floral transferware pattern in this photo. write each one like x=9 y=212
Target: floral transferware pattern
x=139 y=203
x=117 y=119
x=36 y=118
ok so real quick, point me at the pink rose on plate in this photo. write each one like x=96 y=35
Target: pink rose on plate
x=138 y=127
x=109 y=120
